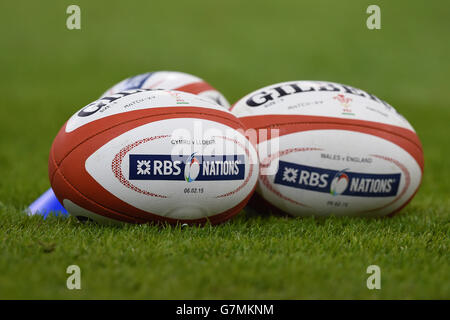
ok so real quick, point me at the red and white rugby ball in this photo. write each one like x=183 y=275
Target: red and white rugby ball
x=171 y=80
x=331 y=149
x=153 y=155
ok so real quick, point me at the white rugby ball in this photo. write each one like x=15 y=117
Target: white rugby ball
x=330 y=149
x=153 y=156
x=171 y=80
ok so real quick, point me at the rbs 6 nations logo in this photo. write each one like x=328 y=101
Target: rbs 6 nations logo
x=189 y=168
x=337 y=182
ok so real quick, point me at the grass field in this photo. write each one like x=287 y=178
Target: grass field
x=48 y=72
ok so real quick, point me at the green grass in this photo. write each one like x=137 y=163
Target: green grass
x=47 y=72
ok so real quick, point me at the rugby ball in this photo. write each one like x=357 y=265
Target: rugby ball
x=330 y=149
x=171 y=80
x=153 y=156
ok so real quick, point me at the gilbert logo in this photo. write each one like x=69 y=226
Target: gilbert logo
x=345 y=103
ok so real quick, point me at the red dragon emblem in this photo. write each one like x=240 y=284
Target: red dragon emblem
x=343 y=100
